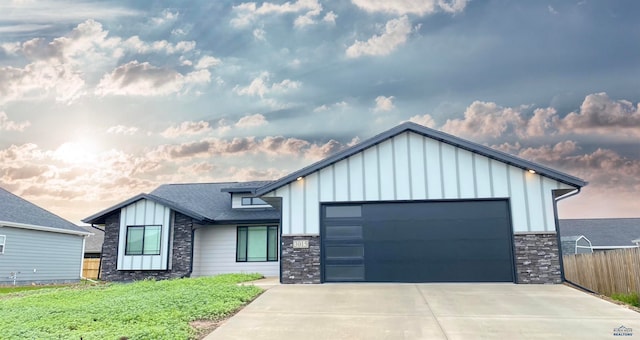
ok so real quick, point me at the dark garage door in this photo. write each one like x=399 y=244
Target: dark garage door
x=434 y=241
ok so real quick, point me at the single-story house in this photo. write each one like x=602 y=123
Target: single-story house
x=604 y=233
x=37 y=246
x=411 y=204
x=93 y=243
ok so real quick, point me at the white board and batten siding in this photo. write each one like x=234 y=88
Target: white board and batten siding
x=140 y=213
x=410 y=166
x=215 y=253
x=40 y=256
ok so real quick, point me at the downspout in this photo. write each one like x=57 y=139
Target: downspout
x=84 y=240
x=101 y=251
x=557 y=221
x=193 y=234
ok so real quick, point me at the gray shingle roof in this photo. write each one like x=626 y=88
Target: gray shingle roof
x=18 y=210
x=204 y=202
x=603 y=232
x=93 y=243
x=434 y=134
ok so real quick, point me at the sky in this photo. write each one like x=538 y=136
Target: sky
x=103 y=100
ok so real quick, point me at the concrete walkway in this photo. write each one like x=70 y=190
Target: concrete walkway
x=427 y=311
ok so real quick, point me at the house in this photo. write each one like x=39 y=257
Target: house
x=93 y=243
x=575 y=245
x=37 y=246
x=604 y=233
x=411 y=204
x=196 y=229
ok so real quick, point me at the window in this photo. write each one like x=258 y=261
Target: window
x=253 y=201
x=3 y=239
x=143 y=240
x=256 y=244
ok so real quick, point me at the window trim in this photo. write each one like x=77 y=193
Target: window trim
x=252 y=201
x=246 y=250
x=3 y=243
x=144 y=227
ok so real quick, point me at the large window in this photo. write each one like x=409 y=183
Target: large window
x=143 y=240
x=257 y=244
x=3 y=239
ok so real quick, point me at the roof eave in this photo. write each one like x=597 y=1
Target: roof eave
x=431 y=133
x=43 y=228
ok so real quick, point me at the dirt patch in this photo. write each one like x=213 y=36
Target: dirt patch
x=204 y=327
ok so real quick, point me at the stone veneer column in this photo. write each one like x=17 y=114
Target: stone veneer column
x=181 y=252
x=537 y=258
x=300 y=265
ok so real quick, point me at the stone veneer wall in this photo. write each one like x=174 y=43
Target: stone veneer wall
x=180 y=265
x=537 y=259
x=301 y=265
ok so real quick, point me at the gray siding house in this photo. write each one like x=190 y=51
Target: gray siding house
x=411 y=204
x=603 y=233
x=195 y=229
x=37 y=246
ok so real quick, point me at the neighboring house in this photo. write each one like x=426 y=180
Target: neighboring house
x=604 y=233
x=181 y=230
x=409 y=205
x=37 y=246
x=93 y=243
x=576 y=245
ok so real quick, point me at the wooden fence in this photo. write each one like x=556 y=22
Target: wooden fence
x=90 y=268
x=605 y=272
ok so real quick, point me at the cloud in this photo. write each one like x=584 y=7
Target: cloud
x=384 y=103
x=144 y=79
x=252 y=121
x=260 y=34
x=122 y=130
x=335 y=106
x=206 y=62
x=260 y=87
x=37 y=80
x=187 y=129
x=9 y=125
x=485 y=119
x=248 y=12
x=424 y=120
x=63 y=11
x=395 y=33
x=166 y=16
x=330 y=17
x=137 y=45
x=402 y=7
x=599 y=114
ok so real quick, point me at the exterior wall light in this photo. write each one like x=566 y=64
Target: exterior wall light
x=299 y=178
x=531 y=171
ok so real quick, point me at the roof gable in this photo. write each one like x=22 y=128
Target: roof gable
x=204 y=202
x=21 y=213
x=429 y=133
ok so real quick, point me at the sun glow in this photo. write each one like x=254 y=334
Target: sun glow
x=75 y=152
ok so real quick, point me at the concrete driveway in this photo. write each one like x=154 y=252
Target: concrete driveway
x=427 y=311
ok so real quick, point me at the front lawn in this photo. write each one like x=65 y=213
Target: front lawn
x=139 y=310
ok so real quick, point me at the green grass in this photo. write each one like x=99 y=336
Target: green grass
x=630 y=299
x=139 y=310
x=12 y=289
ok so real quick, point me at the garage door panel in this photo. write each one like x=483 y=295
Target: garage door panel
x=426 y=241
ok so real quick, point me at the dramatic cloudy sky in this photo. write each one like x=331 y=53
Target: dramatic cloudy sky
x=102 y=100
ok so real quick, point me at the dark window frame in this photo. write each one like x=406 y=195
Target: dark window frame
x=250 y=201
x=270 y=228
x=3 y=244
x=126 y=241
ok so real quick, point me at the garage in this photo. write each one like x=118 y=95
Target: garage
x=417 y=241
x=413 y=204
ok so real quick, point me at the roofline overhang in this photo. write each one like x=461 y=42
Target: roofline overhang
x=98 y=217
x=257 y=221
x=430 y=133
x=43 y=228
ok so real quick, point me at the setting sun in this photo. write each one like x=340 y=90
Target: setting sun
x=75 y=152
